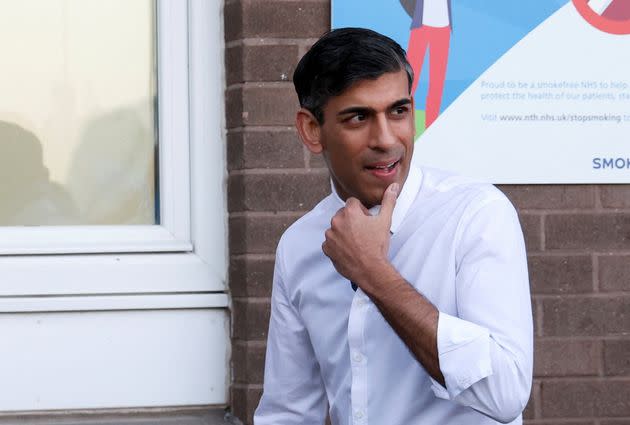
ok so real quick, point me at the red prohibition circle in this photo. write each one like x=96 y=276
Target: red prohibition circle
x=615 y=20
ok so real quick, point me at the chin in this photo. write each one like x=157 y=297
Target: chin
x=373 y=199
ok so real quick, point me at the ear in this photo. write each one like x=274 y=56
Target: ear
x=309 y=130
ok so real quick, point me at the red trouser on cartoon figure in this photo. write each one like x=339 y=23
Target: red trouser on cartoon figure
x=430 y=30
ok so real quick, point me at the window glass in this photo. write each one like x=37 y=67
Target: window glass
x=78 y=108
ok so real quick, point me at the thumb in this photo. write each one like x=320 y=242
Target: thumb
x=389 y=201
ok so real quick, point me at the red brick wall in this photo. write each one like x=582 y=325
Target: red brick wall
x=578 y=237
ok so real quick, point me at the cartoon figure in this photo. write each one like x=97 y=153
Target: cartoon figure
x=431 y=27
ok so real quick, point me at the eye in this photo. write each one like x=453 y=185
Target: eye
x=400 y=110
x=357 y=118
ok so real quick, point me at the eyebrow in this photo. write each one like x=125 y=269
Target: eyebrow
x=401 y=102
x=366 y=109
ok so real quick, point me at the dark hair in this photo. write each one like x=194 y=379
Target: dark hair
x=341 y=58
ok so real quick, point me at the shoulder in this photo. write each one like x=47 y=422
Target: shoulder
x=307 y=229
x=472 y=193
x=481 y=215
x=459 y=199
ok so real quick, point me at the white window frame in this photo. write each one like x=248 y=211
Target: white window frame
x=186 y=254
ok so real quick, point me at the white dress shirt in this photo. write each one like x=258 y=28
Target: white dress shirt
x=459 y=243
x=435 y=13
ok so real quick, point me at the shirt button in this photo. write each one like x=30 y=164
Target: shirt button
x=358 y=414
x=357 y=357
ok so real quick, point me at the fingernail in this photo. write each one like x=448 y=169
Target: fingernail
x=394 y=187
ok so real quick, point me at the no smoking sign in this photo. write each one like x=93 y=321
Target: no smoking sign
x=611 y=16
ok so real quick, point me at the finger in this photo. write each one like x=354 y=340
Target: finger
x=334 y=222
x=354 y=203
x=337 y=216
x=325 y=248
x=389 y=201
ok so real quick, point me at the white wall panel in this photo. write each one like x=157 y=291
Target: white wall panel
x=113 y=359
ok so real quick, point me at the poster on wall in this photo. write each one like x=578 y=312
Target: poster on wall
x=513 y=91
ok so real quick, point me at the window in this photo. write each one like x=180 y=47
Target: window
x=122 y=305
x=78 y=136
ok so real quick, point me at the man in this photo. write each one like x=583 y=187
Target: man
x=439 y=329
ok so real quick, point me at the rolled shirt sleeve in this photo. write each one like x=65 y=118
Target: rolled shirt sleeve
x=486 y=352
x=459 y=340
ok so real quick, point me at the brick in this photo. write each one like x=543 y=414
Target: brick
x=566 y=358
x=621 y=421
x=244 y=402
x=248 y=363
x=233 y=20
x=562 y=399
x=234 y=65
x=588 y=231
x=251 y=277
x=535 y=317
x=560 y=274
x=615 y=196
x=316 y=161
x=253 y=234
x=530 y=410
x=277 y=192
x=264 y=149
x=278 y=19
x=617 y=357
x=531 y=231
x=234 y=107
x=261 y=63
x=261 y=104
x=250 y=319
x=586 y=316
x=548 y=197
x=614 y=273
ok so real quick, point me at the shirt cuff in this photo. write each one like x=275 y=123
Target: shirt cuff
x=464 y=354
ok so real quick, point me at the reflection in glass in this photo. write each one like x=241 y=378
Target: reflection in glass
x=77 y=112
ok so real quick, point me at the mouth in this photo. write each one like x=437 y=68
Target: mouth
x=383 y=169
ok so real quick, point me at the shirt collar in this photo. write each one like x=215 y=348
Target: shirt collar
x=403 y=203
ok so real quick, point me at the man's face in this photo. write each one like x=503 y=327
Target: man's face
x=367 y=137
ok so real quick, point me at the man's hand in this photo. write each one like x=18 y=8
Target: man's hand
x=357 y=242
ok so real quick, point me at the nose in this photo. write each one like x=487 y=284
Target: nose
x=382 y=135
